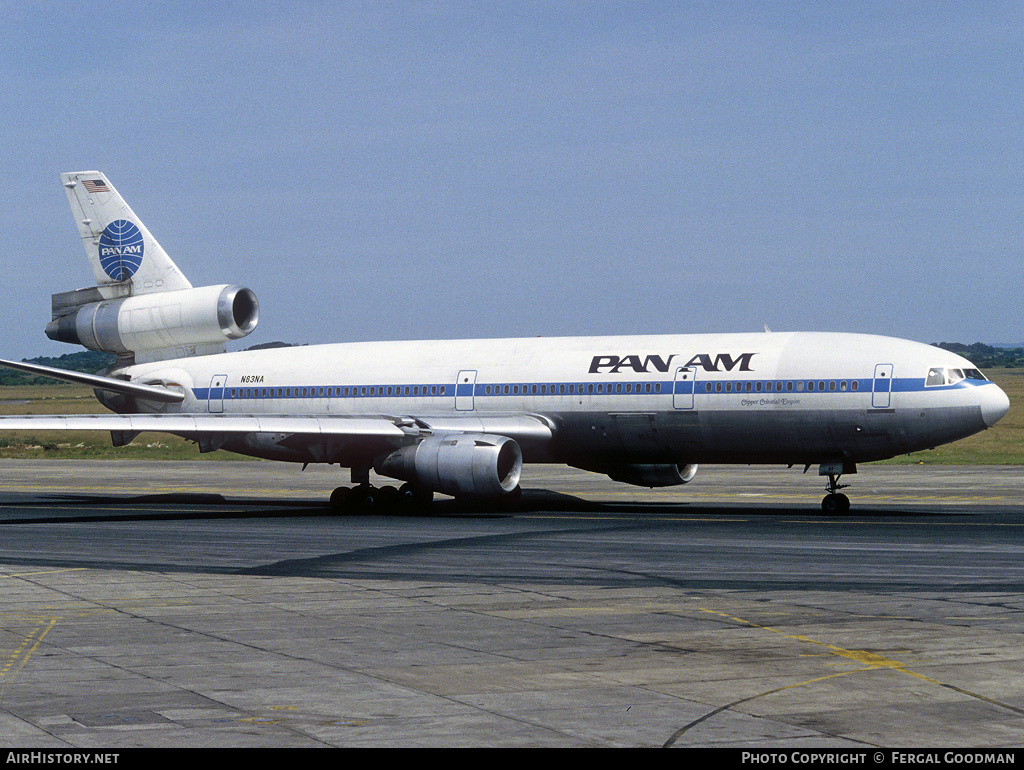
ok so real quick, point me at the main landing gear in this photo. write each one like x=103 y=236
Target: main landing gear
x=364 y=498
x=835 y=501
x=410 y=499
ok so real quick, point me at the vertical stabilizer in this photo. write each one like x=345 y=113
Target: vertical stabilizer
x=125 y=258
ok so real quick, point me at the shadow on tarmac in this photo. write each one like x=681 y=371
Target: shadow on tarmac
x=65 y=509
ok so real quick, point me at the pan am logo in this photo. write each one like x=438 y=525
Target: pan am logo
x=121 y=249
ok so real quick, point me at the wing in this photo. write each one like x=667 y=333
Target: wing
x=345 y=439
x=527 y=427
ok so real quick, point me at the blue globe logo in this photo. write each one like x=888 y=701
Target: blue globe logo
x=121 y=249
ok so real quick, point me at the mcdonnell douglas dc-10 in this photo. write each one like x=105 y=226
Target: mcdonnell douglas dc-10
x=462 y=417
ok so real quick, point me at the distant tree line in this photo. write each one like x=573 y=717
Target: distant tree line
x=985 y=356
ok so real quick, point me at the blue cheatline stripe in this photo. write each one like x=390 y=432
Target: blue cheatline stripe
x=630 y=388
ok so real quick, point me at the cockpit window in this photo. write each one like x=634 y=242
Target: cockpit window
x=938 y=375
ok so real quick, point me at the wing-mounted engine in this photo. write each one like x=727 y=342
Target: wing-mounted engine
x=661 y=475
x=460 y=464
x=172 y=324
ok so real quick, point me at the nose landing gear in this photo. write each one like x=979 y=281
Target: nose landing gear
x=835 y=501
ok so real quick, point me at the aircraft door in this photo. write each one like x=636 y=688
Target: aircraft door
x=216 y=395
x=683 y=388
x=881 y=388
x=465 y=386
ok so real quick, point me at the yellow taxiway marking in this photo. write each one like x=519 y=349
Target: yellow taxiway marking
x=41 y=572
x=27 y=645
x=866 y=661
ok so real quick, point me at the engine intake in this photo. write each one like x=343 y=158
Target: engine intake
x=209 y=315
x=462 y=464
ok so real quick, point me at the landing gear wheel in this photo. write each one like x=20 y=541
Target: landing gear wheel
x=348 y=501
x=387 y=499
x=364 y=499
x=835 y=502
x=340 y=499
x=413 y=497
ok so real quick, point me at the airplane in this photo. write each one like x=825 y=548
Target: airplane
x=461 y=418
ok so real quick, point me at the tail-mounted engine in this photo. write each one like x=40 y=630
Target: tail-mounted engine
x=179 y=323
x=462 y=464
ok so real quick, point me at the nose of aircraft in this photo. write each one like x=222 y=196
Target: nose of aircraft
x=994 y=403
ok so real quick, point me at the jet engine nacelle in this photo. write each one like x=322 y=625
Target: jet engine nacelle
x=209 y=315
x=667 y=475
x=462 y=464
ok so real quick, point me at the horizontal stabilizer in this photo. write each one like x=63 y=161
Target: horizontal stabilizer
x=148 y=392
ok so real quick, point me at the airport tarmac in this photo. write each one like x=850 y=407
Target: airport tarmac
x=220 y=604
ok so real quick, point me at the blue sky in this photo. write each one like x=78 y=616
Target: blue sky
x=378 y=170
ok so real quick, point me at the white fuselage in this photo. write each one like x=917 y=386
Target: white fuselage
x=737 y=398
